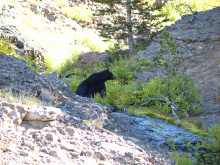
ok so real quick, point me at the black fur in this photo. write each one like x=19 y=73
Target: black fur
x=95 y=83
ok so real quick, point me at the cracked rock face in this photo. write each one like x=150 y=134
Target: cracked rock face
x=16 y=75
x=194 y=38
x=199 y=41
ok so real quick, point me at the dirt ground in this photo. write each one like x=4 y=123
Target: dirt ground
x=207 y=73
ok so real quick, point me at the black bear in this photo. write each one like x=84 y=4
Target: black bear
x=95 y=83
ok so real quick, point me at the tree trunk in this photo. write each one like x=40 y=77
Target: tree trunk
x=130 y=34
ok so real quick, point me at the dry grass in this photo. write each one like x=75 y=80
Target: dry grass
x=23 y=98
x=60 y=42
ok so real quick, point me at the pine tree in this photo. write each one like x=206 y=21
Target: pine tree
x=130 y=18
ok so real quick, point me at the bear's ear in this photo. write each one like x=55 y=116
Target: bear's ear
x=107 y=69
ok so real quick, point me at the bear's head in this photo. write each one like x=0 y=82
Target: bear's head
x=109 y=75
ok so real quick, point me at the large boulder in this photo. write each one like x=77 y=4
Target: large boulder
x=88 y=59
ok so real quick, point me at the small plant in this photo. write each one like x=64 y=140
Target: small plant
x=189 y=146
x=177 y=133
x=145 y=63
x=211 y=153
x=22 y=97
x=6 y=47
x=161 y=126
x=214 y=131
x=182 y=160
x=153 y=126
x=171 y=142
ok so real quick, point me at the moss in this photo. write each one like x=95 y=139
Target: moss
x=153 y=127
x=191 y=128
x=177 y=133
x=160 y=126
x=153 y=123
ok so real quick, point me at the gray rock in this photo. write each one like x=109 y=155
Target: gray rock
x=156 y=131
x=193 y=39
x=39 y=114
x=23 y=153
x=23 y=79
x=54 y=74
x=21 y=43
x=88 y=59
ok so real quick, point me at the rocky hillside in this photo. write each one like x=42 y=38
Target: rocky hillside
x=71 y=133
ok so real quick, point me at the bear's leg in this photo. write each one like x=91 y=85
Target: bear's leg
x=103 y=93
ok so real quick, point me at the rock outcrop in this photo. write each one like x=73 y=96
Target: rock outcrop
x=90 y=58
x=22 y=45
x=16 y=75
x=199 y=40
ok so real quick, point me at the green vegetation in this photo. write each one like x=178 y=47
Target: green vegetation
x=182 y=160
x=80 y=13
x=171 y=142
x=7 y=48
x=174 y=10
x=211 y=153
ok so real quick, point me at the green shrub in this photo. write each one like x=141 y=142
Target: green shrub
x=211 y=153
x=182 y=160
x=81 y=13
x=6 y=47
x=214 y=131
x=118 y=94
x=171 y=142
x=157 y=88
x=74 y=83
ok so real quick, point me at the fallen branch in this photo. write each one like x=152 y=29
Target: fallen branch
x=171 y=104
x=173 y=108
x=193 y=14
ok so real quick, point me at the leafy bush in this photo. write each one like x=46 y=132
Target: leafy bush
x=182 y=160
x=215 y=136
x=74 y=82
x=6 y=47
x=180 y=91
x=211 y=153
x=118 y=94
